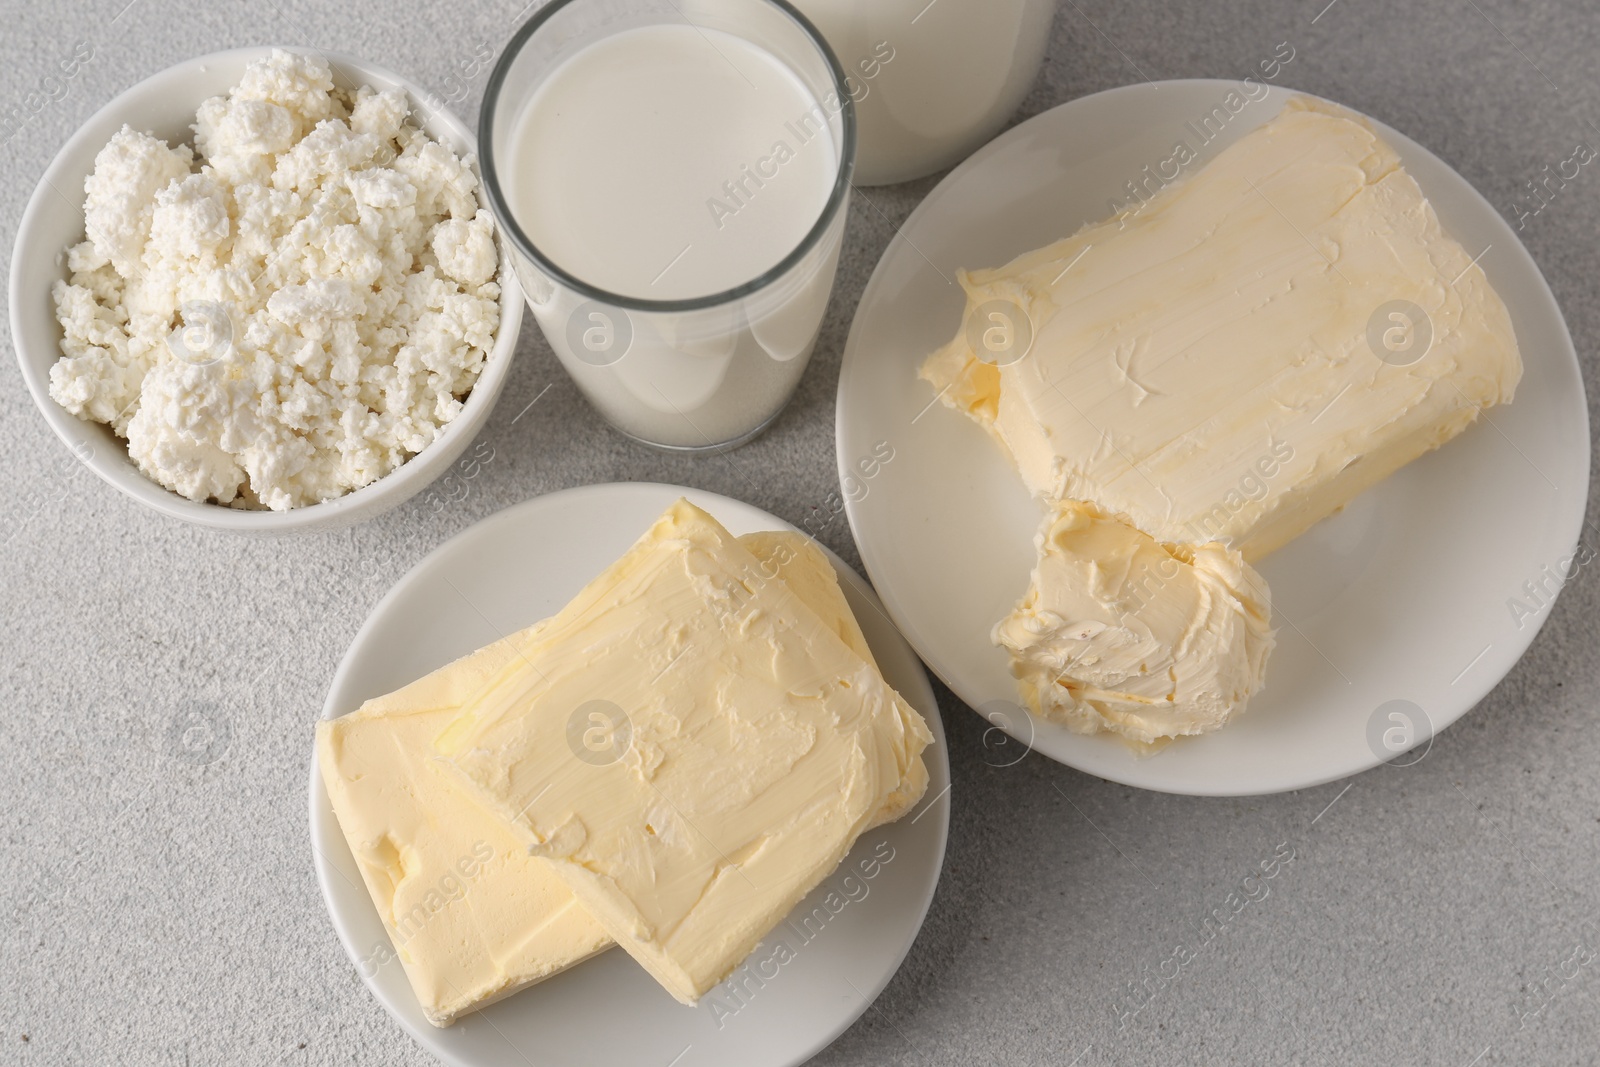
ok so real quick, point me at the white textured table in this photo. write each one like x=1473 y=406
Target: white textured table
x=156 y=910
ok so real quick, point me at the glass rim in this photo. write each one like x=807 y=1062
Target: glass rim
x=509 y=226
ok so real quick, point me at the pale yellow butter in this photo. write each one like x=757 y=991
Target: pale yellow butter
x=1223 y=364
x=806 y=571
x=1218 y=368
x=1119 y=632
x=470 y=915
x=758 y=746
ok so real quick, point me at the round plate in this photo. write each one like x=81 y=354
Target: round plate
x=1401 y=606
x=506 y=573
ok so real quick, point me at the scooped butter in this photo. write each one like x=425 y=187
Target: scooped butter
x=691 y=746
x=1122 y=633
x=1247 y=351
x=470 y=915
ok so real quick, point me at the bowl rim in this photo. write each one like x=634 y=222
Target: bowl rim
x=32 y=246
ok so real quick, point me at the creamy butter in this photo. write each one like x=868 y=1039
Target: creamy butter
x=472 y=917
x=1122 y=633
x=1227 y=328
x=800 y=565
x=760 y=745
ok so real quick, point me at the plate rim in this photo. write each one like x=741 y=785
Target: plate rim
x=924 y=699
x=871 y=556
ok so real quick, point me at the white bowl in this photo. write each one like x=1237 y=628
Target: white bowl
x=164 y=105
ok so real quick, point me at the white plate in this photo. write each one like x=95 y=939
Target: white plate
x=523 y=565
x=1401 y=598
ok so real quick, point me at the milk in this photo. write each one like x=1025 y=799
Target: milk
x=673 y=161
x=669 y=162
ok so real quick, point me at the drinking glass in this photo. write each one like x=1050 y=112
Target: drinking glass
x=708 y=372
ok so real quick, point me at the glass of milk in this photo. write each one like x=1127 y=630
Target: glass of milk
x=672 y=179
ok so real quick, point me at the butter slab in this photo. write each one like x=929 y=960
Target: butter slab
x=759 y=746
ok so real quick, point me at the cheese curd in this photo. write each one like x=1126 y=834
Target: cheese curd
x=290 y=310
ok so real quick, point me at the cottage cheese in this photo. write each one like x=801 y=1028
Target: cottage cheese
x=290 y=310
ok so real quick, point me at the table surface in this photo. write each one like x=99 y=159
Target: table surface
x=157 y=911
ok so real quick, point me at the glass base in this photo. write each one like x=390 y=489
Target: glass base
x=721 y=446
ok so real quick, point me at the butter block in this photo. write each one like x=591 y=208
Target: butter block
x=471 y=916
x=1122 y=633
x=800 y=565
x=1237 y=358
x=741 y=747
